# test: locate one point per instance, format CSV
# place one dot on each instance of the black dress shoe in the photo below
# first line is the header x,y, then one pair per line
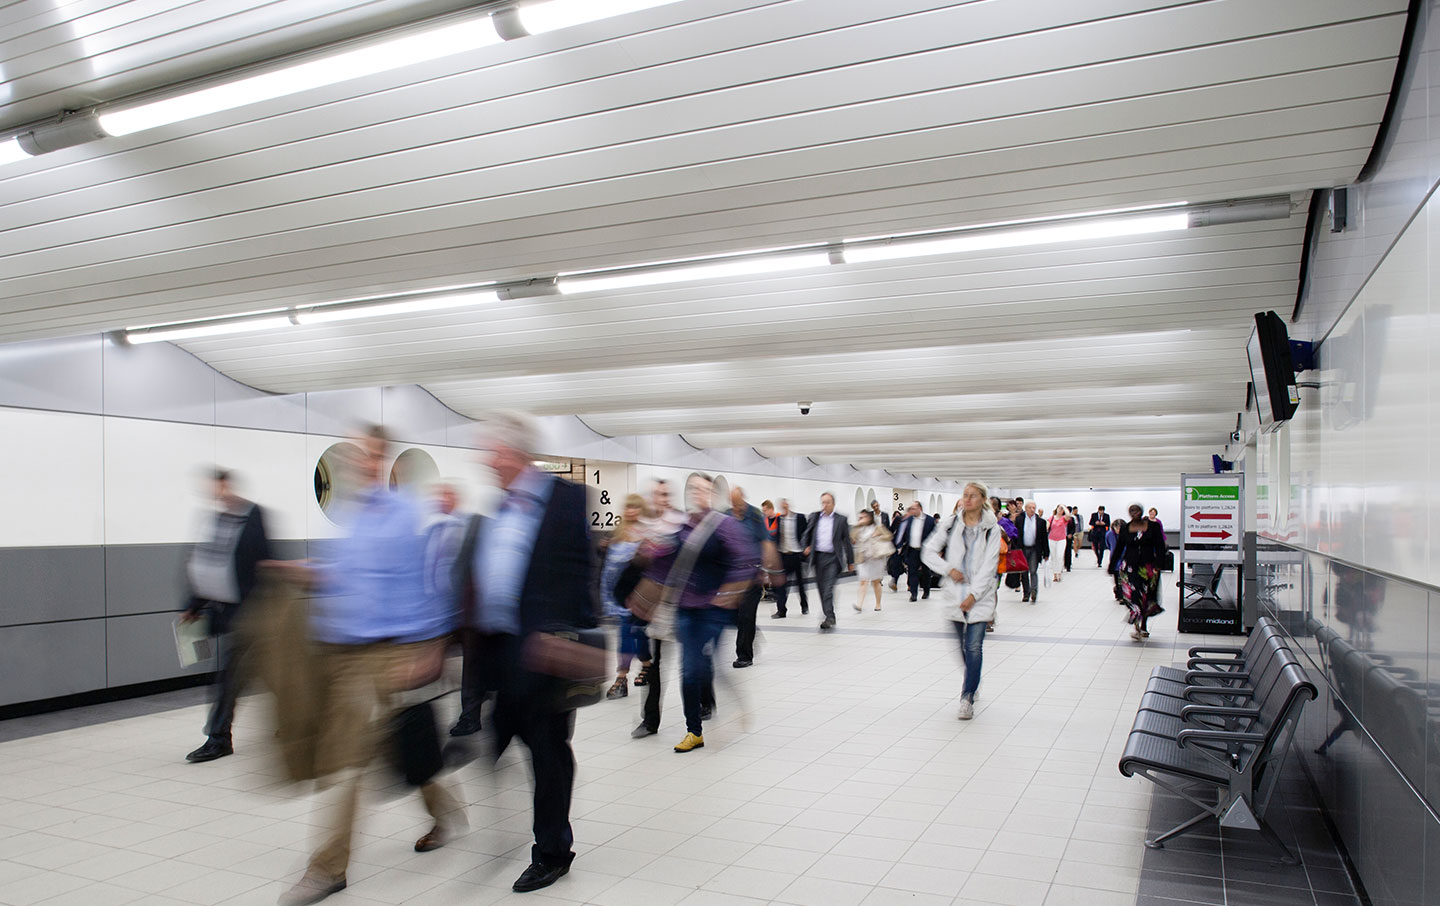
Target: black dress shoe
x,y
212,750
914,598
539,875
827,625
777,615
741,662
707,712
804,609
465,727
643,731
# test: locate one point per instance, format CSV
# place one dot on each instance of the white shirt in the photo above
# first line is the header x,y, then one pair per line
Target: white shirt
x,y
825,533
1031,526
917,527
789,543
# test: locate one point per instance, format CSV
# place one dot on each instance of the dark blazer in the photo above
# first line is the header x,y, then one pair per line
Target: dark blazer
x,y
1042,533
251,547
881,519
902,531
1099,522
841,538
559,590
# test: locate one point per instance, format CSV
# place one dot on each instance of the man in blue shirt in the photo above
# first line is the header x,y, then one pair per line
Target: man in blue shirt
x,y
378,631
520,575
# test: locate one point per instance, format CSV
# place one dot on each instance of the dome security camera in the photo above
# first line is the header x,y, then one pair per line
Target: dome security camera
x,y
805,408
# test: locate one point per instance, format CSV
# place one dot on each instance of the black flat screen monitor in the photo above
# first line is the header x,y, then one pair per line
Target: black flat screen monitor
x,y
1276,396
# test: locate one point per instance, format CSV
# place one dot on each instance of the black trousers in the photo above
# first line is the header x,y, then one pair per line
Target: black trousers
x,y
794,568
1069,549
522,711
229,682
745,624
918,574
654,692
473,690
1030,578
827,573
1098,546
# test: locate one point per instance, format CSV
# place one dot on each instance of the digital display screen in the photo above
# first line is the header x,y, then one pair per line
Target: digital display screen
x,y
1258,378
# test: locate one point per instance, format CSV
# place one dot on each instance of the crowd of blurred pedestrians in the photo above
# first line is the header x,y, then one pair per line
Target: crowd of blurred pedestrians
x,y
353,641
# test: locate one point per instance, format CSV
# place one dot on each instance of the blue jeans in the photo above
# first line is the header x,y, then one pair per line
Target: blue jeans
x,y
972,645
698,629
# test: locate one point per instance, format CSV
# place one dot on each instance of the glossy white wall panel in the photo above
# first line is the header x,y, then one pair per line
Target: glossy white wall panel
x,y
55,465
154,480
271,468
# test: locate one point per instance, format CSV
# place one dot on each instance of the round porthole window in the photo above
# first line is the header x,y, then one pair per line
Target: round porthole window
x,y
720,493
859,500
413,470
335,477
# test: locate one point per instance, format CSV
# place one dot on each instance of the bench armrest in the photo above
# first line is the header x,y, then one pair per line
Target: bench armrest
x,y
1197,652
1196,737
1230,662
1232,693
1226,675
1190,711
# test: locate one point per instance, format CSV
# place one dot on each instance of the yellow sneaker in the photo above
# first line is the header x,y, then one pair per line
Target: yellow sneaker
x,y
690,743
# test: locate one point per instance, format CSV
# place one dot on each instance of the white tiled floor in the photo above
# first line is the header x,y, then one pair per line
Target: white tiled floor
x,y
835,774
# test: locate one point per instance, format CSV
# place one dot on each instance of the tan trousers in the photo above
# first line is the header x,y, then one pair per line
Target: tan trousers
x,y
359,688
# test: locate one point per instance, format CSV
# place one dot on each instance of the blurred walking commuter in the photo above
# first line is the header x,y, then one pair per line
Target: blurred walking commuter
x,y
910,536
1099,525
222,574
536,561
704,570
1140,551
790,538
827,544
616,552
377,632
1035,542
872,547
966,554
1059,542
753,522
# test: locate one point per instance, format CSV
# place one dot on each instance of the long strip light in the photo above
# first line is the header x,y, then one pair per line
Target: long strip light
x,y
344,65
328,314
1073,228
655,275
406,50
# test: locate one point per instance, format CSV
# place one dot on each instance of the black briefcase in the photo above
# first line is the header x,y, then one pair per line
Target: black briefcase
x,y
415,741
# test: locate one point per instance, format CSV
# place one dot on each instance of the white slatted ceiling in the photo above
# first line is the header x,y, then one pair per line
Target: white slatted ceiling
x,y
708,126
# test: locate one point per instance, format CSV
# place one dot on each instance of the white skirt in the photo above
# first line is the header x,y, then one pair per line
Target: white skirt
x,y
870,570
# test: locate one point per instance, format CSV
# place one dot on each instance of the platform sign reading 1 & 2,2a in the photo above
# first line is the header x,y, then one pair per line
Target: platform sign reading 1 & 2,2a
x,y
1212,511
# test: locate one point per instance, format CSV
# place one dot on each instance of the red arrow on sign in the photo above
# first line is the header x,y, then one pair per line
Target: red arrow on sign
x,y
1210,516
1222,535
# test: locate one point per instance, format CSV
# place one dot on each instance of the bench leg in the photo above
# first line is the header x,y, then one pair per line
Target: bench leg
x,y
1159,842
1268,832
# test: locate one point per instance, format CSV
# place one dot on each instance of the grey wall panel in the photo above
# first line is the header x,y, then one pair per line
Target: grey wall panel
x,y
338,412
63,375
144,578
158,381
140,649
289,550
52,659
412,415
239,406
45,584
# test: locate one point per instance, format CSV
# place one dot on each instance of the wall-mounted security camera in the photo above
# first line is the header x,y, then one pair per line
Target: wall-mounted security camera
x,y
805,407
1236,437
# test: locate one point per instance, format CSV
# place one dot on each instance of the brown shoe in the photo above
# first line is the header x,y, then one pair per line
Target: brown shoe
x,y
436,838
311,889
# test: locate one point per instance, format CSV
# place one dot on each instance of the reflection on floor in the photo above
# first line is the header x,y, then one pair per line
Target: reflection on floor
x,y
834,774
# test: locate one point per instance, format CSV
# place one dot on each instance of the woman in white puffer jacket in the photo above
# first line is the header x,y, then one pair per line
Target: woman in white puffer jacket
x,y
965,552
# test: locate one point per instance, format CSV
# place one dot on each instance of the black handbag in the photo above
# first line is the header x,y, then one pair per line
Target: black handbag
x,y
415,743
577,658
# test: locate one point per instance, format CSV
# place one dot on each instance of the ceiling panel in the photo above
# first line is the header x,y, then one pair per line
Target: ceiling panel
x,y
712,126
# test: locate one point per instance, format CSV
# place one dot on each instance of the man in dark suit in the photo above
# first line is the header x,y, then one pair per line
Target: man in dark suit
x,y
790,539
525,571
880,518
827,544
1099,525
222,574
1033,536
910,536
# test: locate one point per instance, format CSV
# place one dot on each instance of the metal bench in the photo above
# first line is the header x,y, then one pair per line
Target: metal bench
x,y
1225,758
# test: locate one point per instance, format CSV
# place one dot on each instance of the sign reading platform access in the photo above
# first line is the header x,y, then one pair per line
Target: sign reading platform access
x,y
1212,511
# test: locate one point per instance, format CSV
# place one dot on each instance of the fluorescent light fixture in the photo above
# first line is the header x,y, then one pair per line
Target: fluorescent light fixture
x,y
195,330
737,266
10,152
984,239
418,47
550,15
326,314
